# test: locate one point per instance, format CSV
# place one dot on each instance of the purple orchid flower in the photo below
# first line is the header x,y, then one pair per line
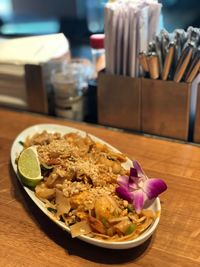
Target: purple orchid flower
x,y
138,189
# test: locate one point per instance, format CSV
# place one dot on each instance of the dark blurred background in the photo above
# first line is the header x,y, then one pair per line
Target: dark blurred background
x,y
77,19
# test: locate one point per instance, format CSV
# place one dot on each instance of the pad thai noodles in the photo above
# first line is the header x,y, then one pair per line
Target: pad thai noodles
x,y
79,187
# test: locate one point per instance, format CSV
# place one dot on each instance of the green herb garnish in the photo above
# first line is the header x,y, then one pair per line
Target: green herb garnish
x,y
51,209
131,228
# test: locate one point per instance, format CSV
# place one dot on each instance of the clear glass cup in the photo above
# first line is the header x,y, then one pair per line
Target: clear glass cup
x,y
69,85
95,15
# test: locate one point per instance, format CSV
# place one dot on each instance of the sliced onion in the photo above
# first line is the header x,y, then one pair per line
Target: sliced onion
x,y
122,226
119,219
62,203
80,228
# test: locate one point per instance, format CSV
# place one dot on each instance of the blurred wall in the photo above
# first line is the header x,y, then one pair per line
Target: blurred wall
x,y
47,8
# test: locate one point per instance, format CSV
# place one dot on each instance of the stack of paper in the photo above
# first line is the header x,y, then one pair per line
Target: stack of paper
x,y
129,26
18,52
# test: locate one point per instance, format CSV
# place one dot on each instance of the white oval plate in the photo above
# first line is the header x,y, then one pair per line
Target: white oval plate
x,y
17,148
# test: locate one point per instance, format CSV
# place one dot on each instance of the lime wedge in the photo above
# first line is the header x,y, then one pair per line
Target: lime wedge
x,y
29,167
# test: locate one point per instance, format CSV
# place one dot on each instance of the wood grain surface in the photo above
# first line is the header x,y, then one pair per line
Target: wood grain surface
x,y
165,112
110,100
29,238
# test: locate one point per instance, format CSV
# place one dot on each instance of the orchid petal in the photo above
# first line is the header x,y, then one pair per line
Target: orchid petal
x,y
133,186
124,193
139,199
153,187
123,181
133,181
133,172
138,189
139,169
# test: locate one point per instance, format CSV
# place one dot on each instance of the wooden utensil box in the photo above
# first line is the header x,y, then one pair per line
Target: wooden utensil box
x,y
155,107
119,101
196,116
165,108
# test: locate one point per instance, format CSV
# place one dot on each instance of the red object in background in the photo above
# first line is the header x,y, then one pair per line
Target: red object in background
x,y
97,41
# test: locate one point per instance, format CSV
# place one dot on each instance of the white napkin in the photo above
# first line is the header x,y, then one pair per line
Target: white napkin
x,y
129,26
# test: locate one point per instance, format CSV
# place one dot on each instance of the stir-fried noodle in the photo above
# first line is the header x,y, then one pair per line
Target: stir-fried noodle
x,y
79,187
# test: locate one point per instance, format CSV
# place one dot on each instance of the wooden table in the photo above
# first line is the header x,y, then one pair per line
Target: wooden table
x,y
29,238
